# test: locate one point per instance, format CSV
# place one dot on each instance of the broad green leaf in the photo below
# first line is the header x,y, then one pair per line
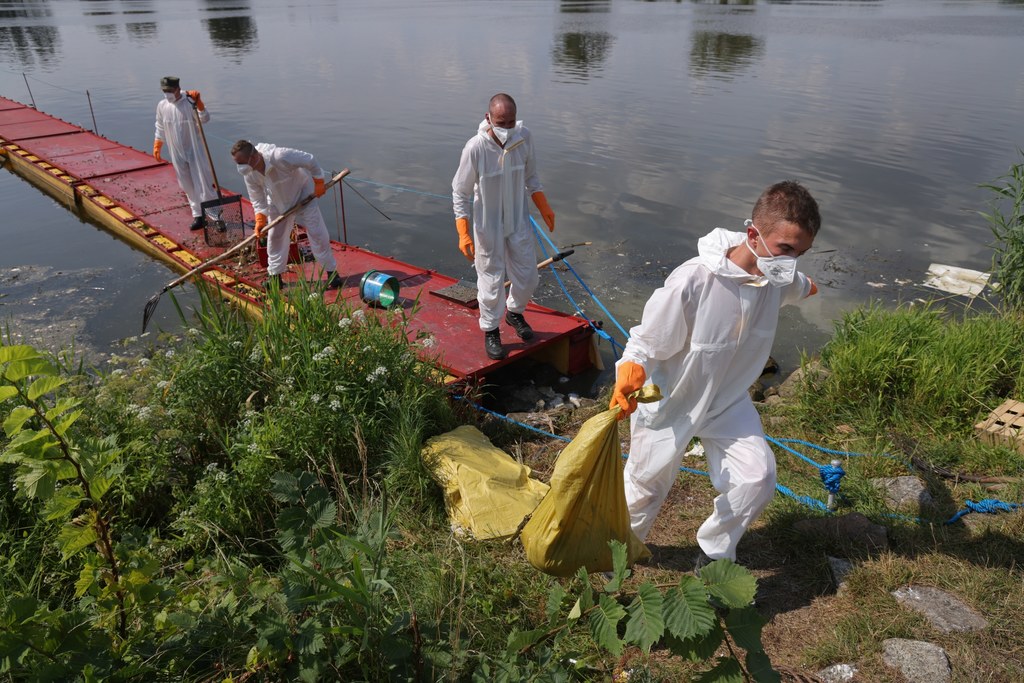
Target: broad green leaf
x,y
20,609
760,667
33,445
44,385
576,612
646,623
726,671
63,503
734,585
78,535
98,487
62,427
285,488
86,580
63,405
554,604
700,648
37,478
586,600
686,609
322,513
7,391
20,369
604,623
517,640
744,625
18,352
619,569
16,420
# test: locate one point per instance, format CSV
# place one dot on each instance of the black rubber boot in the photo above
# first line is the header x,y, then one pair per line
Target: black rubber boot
x,y
519,324
334,280
274,283
492,343
198,223
701,561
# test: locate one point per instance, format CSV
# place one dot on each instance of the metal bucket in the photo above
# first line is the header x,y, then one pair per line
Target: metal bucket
x,y
379,289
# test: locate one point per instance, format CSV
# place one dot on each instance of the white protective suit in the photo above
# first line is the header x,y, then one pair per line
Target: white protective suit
x,y
288,179
176,126
493,184
704,339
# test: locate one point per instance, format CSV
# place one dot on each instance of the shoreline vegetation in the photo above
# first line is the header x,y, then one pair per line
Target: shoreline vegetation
x,y
247,502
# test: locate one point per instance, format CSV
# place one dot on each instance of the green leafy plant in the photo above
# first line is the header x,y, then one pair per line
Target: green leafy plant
x,y
70,479
1006,220
692,618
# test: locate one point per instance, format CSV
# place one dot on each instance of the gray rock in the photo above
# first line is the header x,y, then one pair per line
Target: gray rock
x,y
812,374
945,612
918,661
840,568
902,492
852,528
837,673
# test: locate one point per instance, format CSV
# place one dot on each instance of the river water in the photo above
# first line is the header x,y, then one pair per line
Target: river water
x,y
654,122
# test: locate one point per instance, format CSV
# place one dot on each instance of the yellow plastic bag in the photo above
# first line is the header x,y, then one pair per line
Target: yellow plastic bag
x,y
586,505
486,492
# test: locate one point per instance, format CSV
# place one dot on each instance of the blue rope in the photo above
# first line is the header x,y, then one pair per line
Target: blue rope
x,y
831,475
509,419
989,505
806,500
541,234
846,454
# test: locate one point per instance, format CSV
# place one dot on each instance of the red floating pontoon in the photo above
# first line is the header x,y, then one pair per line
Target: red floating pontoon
x,y
138,199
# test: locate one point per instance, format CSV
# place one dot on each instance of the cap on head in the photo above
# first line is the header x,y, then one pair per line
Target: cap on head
x,y
170,82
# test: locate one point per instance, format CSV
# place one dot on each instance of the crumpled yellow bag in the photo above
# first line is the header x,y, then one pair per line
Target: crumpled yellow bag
x,y
586,505
486,492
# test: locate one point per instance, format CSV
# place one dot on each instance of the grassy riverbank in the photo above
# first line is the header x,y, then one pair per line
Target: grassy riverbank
x,y
269,516
247,502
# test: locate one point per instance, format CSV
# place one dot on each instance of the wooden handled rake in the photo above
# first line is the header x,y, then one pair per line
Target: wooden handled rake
x,y
151,305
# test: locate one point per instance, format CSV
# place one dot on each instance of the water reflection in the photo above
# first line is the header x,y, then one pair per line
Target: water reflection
x,y
581,46
740,3
24,45
584,6
141,32
108,33
721,55
232,36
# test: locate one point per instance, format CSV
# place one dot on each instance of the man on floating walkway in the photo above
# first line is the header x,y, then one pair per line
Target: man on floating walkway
x,y
176,128
278,178
704,338
496,171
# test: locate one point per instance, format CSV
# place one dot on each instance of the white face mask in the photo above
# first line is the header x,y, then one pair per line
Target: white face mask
x,y
169,96
501,133
243,168
778,270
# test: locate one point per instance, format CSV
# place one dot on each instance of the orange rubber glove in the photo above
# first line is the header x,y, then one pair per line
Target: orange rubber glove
x,y
629,379
157,144
465,240
261,222
194,94
545,209
318,187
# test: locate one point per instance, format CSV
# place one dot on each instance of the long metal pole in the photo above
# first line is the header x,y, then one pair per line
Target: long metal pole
x,y
30,95
344,225
94,128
